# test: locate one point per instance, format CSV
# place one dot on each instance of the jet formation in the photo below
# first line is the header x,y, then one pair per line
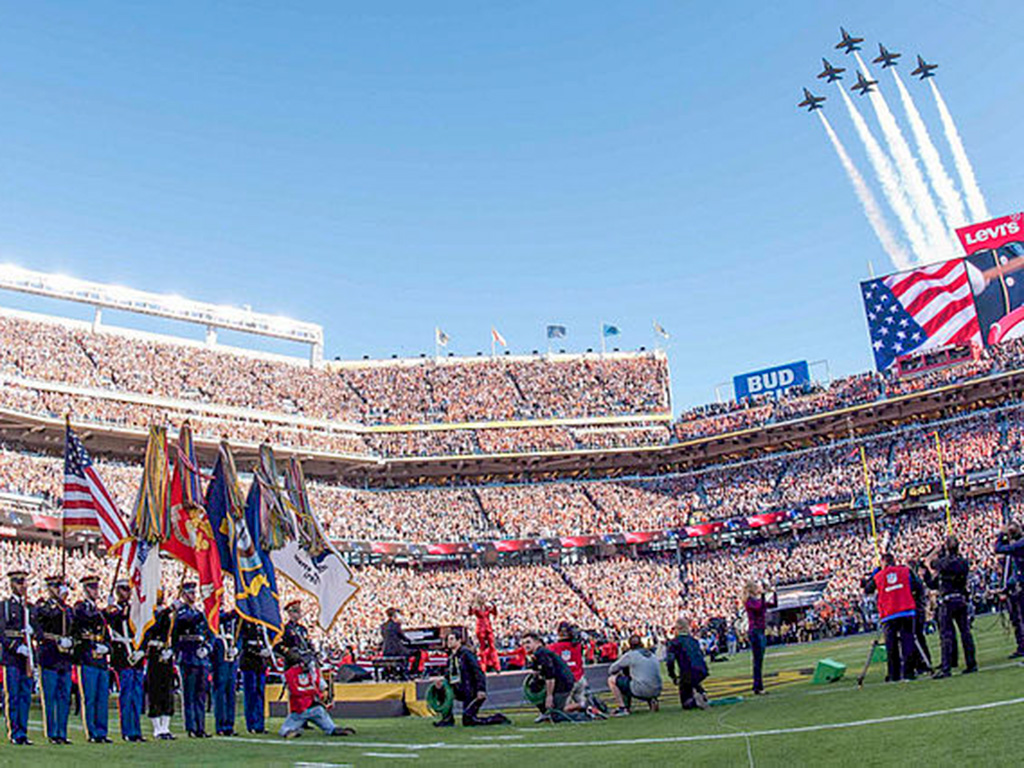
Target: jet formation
x,y
848,44
863,85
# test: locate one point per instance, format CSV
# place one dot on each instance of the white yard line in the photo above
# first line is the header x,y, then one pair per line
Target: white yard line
x,y
656,740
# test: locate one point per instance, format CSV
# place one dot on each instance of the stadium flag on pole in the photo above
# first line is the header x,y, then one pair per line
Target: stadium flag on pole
x,y
144,578
149,522
919,310
276,518
609,330
190,539
151,518
87,504
308,559
658,329
497,338
440,337
255,589
556,331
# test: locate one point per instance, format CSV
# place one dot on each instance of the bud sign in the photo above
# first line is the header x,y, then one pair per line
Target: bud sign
x,y
771,380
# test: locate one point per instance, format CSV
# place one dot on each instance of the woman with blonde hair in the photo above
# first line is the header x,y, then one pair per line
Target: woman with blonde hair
x,y
757,606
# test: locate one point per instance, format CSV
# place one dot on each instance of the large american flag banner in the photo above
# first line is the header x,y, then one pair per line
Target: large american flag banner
x,y
919,310
88,504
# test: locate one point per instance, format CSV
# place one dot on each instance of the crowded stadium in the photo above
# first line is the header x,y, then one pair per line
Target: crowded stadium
x,y
223,527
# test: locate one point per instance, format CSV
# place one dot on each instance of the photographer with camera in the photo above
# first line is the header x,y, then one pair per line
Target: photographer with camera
x,y
469,685
1010,544
950,575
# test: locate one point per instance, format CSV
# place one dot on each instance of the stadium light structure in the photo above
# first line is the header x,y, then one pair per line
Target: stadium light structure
x,y
213,316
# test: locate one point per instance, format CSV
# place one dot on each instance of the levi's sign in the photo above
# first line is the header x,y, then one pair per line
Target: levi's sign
x,y
991,234
774,380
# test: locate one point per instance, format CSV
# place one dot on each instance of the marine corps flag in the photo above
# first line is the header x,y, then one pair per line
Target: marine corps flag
x,y
238,543
308,559
190,539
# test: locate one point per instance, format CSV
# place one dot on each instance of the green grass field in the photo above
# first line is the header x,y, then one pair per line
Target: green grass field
x,y
971,720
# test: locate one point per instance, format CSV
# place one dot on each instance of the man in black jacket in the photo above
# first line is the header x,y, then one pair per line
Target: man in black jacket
x,y
1011,544
951,572
555,673
395,645
469,684
686,666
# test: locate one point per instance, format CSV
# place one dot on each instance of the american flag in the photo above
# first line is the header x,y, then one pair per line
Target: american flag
x,y
919,310
87,502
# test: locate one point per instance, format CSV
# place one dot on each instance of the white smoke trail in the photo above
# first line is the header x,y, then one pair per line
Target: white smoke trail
x,y
950,203
939,237
887,177
897,253
975,200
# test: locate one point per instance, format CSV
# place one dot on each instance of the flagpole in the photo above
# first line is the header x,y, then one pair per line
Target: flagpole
x,y
871,503
601,328
945,490
63,506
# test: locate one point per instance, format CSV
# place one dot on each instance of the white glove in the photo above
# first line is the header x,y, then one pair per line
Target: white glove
x,y
65,643
136,657
166,654
265,653
202,652
101,649
22,650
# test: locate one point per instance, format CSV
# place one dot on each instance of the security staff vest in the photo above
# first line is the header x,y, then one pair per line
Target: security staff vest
x,y
894,595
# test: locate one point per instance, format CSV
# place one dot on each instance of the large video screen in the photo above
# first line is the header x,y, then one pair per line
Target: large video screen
x,y
995,268
919,310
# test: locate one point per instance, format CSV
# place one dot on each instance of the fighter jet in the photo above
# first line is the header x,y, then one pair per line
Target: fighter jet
x,y
848,42
832,73
811,101
863,84
886,59
923,69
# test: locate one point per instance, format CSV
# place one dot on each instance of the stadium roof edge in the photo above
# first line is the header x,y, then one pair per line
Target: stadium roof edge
x,y
168,306
557,357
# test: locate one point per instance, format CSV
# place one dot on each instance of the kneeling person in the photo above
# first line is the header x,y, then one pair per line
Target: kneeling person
x,y
305,699
636,675
553,671
686,666
469,684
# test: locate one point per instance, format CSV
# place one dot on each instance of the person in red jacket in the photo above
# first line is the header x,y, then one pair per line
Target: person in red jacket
x,y
571,650
482,611
306,690
895,586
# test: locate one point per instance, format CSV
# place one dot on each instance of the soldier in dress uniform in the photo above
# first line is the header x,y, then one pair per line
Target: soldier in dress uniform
x,y
193,642
54,622
159,683
19,666
225,673
256,656
296,636
92,652
126,662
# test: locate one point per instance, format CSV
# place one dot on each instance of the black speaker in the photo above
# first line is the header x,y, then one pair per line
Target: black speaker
x,y
351,673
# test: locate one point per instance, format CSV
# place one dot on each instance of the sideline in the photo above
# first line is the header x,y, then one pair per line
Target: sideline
x,y
649,740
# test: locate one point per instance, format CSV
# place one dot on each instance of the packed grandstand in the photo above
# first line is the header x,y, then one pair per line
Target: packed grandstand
x,y
560,485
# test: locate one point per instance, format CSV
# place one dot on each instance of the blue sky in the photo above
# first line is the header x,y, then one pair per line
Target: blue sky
x,y
388,167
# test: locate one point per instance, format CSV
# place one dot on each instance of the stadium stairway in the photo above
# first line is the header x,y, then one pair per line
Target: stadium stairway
x,y
488,525
580,592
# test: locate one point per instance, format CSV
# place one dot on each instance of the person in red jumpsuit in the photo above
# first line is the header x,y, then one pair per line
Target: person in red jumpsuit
x,y
482,611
